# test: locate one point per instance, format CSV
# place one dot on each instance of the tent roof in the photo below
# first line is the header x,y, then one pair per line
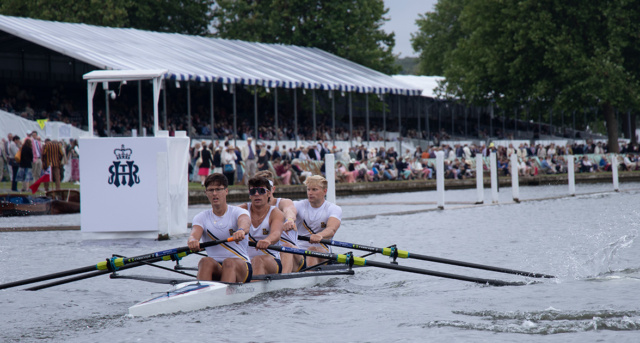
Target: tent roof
x,y
427,84
204,59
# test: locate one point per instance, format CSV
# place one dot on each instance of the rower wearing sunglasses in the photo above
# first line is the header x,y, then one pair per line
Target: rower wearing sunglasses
x,y
316,218
229,261
289,237
266,227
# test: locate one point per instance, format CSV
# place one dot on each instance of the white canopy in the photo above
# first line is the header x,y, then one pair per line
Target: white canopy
x,y
205,59
427,84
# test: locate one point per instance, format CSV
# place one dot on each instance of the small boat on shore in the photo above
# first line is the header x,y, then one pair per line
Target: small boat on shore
x,y
23,205
64,201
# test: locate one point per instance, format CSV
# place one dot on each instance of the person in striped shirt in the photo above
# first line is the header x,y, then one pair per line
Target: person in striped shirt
x,y
52,155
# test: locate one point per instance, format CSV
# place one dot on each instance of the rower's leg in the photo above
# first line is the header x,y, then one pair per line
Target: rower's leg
x,y
264,265
234,270
208,269
290,262
312,261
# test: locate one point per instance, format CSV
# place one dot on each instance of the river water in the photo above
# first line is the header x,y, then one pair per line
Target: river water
x,y
587,241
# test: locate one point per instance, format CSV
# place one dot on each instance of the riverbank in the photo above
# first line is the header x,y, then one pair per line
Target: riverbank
x,y
239,193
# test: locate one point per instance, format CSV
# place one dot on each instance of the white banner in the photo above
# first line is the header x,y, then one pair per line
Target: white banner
x,y
119,184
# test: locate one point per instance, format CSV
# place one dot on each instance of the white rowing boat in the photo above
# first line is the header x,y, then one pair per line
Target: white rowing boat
x,y
196,295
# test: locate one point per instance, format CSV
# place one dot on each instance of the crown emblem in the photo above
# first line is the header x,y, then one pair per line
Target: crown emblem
x,y
122,153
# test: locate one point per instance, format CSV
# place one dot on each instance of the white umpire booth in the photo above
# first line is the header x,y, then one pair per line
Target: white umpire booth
x,y
133,186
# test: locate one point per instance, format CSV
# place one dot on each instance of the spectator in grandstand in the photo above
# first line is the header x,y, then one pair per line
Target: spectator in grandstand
x,y
586,166
283,170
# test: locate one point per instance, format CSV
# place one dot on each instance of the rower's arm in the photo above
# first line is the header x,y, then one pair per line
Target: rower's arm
x,y
275,230
333,224
289,213
194,239
244,224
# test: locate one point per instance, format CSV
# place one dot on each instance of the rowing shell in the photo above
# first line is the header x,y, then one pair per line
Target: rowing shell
x,y
196,295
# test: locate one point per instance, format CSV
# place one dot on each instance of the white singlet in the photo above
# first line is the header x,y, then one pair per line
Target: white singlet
x,y
313,220
216,228
259,233
290,236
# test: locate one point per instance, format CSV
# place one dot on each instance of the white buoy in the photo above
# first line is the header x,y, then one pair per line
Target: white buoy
x,y
571,171
479,179
514,178
494,177
440,178
330,172
614,171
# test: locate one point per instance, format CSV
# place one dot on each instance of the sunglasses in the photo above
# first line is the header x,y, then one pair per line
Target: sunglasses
x,y
258,190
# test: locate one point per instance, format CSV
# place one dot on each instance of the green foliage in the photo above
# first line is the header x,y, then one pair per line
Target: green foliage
x,y
438,35
350,29
179,16
561,54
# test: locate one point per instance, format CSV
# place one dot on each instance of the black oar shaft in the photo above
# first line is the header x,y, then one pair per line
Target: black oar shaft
x,y
364,262
478,266
118,263
406,254
443,275
89,275
48,277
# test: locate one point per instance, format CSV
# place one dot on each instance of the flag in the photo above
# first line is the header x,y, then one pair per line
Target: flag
x,y
44,178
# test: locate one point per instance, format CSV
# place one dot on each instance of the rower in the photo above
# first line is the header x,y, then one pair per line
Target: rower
x,y
266,227
289,237
317,218
227,262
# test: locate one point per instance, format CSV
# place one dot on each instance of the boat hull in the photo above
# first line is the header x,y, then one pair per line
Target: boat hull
x,y
196,295
23,205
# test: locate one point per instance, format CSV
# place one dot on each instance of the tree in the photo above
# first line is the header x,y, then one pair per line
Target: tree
x,y
438,34
178,16
350,29
565,55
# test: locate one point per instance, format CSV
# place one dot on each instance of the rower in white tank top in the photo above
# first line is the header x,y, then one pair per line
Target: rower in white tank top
x,y
259,233
290,236
312,220
216,228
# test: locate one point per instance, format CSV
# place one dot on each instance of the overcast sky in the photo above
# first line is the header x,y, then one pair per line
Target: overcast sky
x,y
403,15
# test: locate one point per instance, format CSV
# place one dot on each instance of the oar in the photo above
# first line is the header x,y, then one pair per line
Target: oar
x,y
115,263
406,254
359,261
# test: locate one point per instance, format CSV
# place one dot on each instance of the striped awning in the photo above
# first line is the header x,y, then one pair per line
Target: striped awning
x,y
204,59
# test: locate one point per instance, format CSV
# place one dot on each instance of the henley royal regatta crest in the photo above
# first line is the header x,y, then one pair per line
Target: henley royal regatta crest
x,y
124,171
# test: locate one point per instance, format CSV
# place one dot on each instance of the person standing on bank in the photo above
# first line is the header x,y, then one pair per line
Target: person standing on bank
x,y
229,164
52,154
14,148
26,163
316,218
250,158
266,227
229,261
206,162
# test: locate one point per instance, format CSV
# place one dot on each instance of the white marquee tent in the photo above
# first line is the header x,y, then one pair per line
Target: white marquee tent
x,y
196,58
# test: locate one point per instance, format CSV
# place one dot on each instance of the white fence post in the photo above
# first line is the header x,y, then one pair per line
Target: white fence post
x,y
514,178
330,172
571,171
494,178
479,179
614,171
440,178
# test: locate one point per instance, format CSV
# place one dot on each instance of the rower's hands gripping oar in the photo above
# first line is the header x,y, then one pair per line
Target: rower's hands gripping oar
x,y
113,264
359,261
405,254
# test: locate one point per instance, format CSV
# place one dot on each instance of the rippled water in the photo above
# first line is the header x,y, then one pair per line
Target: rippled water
x,y
589,241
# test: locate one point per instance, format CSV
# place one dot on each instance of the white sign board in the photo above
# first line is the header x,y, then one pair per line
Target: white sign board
x,y
120,182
